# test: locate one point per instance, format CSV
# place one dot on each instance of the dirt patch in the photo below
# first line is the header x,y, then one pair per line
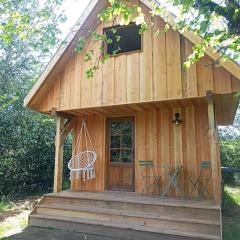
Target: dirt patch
x,y
18,207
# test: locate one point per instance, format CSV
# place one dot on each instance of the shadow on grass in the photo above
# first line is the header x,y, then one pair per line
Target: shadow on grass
x,y
231,215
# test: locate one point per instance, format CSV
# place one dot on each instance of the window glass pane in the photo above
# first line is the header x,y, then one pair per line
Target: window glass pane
x,y
115,127
115,141
125,39
127,155
121,127
127,127
127,141
115,156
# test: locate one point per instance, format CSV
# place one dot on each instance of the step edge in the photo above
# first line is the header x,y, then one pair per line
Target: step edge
x,y
106,224
188,205
134,214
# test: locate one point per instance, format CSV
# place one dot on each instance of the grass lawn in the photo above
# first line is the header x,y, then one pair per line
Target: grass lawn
x,y
231,214
4,206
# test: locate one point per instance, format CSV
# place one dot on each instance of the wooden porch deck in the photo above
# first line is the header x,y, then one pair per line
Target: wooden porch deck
x,y
128,215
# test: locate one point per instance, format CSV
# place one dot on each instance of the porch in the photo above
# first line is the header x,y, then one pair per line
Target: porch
x,y
128,215
154,137
90,207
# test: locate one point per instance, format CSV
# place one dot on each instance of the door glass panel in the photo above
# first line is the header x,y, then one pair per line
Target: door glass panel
x,y
121,141
115,141
127,141
126,156
115,156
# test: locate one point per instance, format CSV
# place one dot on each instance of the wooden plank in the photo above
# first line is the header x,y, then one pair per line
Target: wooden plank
x,y
214,151
165,141
160,160
177,145
120,79
235,84
77,81
191,148
56,89
183,69
192,90
153,140
146,61
205,75
108,82
72,81
159,60
133,77
86,84
141,150
64,91
46,102
174,85
58,169
222,80
97,81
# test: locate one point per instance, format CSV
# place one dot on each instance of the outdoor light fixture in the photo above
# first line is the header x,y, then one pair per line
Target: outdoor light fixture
x,y
177,119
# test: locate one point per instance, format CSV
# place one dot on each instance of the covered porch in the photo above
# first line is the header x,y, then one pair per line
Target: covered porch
x,y
156,138
131,210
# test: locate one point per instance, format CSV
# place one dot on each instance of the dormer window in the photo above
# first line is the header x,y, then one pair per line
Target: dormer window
x,y
124,39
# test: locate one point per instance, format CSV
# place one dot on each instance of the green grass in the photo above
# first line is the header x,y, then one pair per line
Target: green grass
x,y
232,196
231,216
4,206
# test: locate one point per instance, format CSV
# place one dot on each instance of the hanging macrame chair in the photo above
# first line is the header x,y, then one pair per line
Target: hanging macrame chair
x,y
81,164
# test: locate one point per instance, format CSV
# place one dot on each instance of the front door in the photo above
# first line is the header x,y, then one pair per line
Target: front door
x,y
120,152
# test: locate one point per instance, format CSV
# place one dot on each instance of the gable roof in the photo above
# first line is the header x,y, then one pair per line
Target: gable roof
x,y
80,29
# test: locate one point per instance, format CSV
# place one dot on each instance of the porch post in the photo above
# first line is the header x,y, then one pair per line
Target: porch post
x,y
214,149
58,170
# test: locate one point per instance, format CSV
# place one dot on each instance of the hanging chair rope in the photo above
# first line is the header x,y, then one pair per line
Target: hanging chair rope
x,y
82,162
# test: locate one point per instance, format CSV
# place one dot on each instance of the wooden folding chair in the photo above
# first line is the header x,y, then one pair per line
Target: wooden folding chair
x,y
151,181
202,181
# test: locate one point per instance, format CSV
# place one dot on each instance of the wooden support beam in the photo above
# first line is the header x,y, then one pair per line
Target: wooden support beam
x,y
58,154
67,128
214,149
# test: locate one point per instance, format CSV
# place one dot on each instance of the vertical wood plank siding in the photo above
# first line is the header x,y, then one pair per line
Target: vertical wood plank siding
x,y
157,139
153,74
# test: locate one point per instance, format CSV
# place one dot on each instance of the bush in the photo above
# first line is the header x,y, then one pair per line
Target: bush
x,y
230,157
27,151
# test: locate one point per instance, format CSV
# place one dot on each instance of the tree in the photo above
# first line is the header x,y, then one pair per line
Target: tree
x,y
28,32
218,23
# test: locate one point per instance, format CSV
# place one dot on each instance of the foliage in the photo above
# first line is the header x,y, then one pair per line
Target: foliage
x,y
4,206
218,24
232,196
230,149
28,30
231,216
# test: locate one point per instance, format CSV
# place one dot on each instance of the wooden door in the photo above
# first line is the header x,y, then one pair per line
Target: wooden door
x,y
120,149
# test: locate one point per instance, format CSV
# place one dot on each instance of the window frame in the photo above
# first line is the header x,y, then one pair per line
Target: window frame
x,y
119,54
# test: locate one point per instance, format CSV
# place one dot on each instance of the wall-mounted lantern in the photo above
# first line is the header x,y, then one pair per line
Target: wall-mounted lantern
x,y
177,120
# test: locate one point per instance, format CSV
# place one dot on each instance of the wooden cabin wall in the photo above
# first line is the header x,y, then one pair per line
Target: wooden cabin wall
x,y
157,139
96,128
153,74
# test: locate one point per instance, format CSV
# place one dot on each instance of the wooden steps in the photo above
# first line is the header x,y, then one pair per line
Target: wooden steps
x,y
137,214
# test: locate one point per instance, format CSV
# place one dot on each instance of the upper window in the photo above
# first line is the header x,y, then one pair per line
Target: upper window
x,y
123,39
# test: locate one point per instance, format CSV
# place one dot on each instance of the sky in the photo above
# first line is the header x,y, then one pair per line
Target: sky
x,y
73,10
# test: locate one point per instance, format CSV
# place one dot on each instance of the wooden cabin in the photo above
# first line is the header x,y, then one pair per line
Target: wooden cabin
x,y
168,115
